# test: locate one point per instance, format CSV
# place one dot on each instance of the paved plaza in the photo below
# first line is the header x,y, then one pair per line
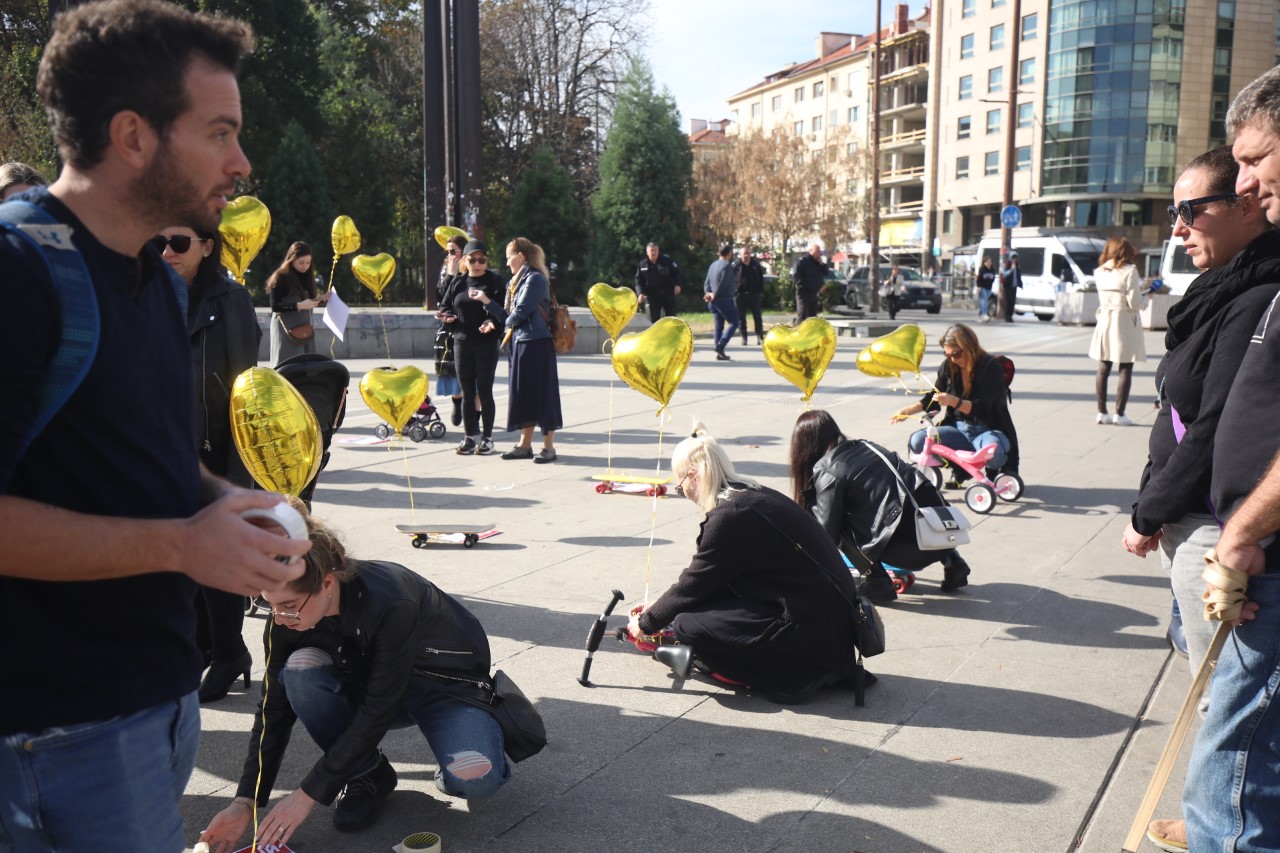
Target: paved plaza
x,y
1023,713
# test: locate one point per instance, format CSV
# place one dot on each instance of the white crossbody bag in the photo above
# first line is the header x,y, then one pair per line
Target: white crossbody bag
x,y
937,527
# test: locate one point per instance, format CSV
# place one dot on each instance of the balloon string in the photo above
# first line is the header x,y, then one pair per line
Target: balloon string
x,y
413,512
266,688
609,432
334,271
653,514
383,317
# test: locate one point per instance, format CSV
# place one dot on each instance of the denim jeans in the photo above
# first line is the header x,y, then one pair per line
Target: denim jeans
x,y
726,313
1232,795
1182,550
109,785
967,436
984,301
326,702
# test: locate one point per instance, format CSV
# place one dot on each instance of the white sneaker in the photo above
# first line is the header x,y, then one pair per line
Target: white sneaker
x,y
1122,420
1103,418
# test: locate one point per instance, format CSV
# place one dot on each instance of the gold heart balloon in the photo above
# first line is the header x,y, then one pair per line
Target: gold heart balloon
x,y
346,238
901,350
867,364
444,232
246,223
800,354
275,431
374,271
612,306
394,395
654,361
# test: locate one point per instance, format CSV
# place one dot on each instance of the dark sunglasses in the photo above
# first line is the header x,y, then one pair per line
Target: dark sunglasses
x,y
1187,209
180,243
477,259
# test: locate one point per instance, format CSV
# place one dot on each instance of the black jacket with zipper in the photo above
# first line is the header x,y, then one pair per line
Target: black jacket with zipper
x,y
224,333
394,626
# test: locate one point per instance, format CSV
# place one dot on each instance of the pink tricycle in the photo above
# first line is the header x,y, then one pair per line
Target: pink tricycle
x,y
979,497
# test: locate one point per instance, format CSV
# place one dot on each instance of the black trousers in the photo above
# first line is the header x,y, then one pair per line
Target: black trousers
x,y
748,642
660,304
806,305
750,302
1008,296
903,552
219,620
476,362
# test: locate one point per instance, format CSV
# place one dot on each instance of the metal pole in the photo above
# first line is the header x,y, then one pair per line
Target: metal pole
x,y
873,281
434,194
1011,125
469,179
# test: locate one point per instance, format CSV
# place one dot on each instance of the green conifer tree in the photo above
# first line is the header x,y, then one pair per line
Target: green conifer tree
x,y
294,190
543,208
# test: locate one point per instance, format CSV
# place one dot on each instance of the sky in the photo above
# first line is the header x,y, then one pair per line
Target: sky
x,y
704,51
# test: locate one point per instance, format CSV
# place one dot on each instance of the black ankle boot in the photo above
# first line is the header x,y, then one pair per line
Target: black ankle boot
x,y
955,572
221,675
456,417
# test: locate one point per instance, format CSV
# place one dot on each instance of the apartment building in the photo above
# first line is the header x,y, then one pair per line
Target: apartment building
x,y
1112,99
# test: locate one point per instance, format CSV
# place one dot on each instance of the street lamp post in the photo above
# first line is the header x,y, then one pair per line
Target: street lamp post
x,y
1011,126
873,279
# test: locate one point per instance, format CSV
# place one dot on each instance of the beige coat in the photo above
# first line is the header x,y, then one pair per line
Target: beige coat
x,y
1118,335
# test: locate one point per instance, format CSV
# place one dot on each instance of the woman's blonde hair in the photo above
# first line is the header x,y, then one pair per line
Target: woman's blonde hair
x,y
965,339
703,455
533,254
327,556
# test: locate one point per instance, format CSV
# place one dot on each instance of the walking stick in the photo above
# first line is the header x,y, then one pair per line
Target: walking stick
x,y
594,637
1222,606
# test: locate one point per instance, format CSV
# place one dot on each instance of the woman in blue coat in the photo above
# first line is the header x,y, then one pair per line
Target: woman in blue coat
x,y
534,393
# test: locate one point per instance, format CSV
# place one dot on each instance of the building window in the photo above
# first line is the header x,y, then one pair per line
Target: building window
x,y
993,121
817,89
966,87
799,128
1030,23
776,103
1027,71
995,80
962,127
815,156
966,46
854,113
991,163
835,85
833,118
968,8
851,149
996,4
948,221
1025,115
997,37
755,109
799,94
817,123
1024,159
962,168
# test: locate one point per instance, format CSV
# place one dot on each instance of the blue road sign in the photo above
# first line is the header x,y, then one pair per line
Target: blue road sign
x,y
1010,216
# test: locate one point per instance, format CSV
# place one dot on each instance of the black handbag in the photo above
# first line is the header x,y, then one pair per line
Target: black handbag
x,y
444,352
868,628
523,732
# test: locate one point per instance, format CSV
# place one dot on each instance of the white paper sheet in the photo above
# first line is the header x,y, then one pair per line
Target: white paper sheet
x,y
336,313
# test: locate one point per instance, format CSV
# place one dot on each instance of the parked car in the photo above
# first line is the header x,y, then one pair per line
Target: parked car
x,y
921,293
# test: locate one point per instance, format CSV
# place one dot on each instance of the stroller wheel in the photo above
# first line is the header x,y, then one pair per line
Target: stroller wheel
x,y
417,432
436,429
382,431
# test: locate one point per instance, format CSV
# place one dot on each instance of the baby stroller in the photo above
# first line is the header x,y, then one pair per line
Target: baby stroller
x,y
424,424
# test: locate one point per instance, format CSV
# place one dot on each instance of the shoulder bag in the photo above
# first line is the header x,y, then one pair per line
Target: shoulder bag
x,y
937,527
523,733
301,329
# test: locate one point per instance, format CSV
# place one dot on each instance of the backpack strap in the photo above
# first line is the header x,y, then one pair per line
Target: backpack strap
x,y
38,234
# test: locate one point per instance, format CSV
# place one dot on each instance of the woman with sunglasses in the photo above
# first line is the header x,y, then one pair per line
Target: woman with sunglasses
x,y
857,490
358,648
1229,239
1117,337
293,293
447,384
474,297
767,601
971,385
224,343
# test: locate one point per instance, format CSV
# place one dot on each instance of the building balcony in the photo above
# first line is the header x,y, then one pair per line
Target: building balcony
x,y
902,210
905,139
905,73
900,176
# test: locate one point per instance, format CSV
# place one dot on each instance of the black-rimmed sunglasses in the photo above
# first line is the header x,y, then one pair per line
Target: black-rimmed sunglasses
x,y
1187,209
180,243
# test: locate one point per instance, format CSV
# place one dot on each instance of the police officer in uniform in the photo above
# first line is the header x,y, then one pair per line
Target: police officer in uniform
x,y
658,280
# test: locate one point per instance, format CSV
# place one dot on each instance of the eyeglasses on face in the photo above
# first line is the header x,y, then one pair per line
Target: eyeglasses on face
x,y
295,616
1187,209
953,354
478,259
180,243
679,489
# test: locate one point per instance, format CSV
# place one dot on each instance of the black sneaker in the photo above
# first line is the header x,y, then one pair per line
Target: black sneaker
x,y
485,447
358,804
466,447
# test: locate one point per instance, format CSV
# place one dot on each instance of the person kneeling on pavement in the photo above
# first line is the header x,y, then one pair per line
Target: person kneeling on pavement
x,y
355,648
857,491
766,601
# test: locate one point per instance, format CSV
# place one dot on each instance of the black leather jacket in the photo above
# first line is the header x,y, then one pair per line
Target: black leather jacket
x,y
859,501
394,626
750,276
224,343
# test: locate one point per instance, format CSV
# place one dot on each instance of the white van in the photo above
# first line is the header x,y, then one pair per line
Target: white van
x,y
1050,262
1176,269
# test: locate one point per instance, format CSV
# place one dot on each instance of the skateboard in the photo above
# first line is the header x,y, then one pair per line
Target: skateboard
x,y
903,579
612,482
466,535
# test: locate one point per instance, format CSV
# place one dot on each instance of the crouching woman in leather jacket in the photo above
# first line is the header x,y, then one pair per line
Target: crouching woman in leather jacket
x,y
356,648
862,503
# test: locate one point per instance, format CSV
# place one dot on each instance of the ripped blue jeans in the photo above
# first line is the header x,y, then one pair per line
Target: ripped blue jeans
x,y
466,740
